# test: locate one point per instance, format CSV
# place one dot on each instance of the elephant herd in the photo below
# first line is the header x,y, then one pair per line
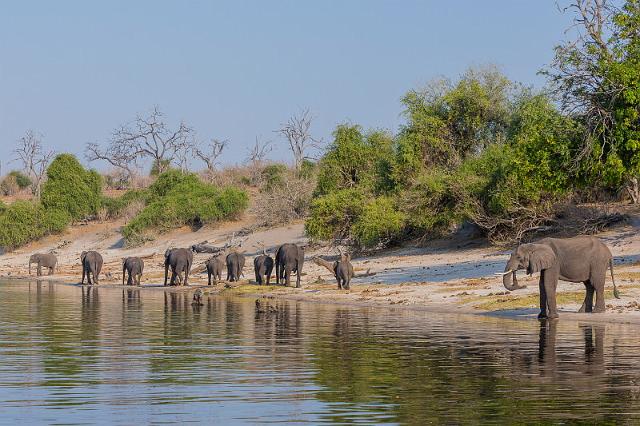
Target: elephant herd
x,y
583,259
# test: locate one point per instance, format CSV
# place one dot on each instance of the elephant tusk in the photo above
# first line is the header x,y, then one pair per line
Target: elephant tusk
x,y
501,274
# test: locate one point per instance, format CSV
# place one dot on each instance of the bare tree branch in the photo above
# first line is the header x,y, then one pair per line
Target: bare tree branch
x,y
297,132
147,137
210,153
34,158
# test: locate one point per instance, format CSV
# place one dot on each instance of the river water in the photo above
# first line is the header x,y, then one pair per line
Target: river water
x,y
77,355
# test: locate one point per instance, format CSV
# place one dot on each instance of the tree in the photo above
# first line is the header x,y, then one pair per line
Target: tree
x,y
147,137
34,159
297,132
210,153
598,79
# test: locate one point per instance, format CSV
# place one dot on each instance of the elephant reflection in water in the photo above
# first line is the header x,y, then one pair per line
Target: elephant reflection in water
x,y
131,299
593,349
280,319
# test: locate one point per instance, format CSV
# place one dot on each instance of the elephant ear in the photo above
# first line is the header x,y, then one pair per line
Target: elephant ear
x,y
540,257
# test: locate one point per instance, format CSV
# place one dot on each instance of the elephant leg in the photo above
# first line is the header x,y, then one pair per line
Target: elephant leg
x,y
347,283
543,299
339,283
208,278
298,276
287,276
587,305
83,273
39,273
598,286
550,278
51,271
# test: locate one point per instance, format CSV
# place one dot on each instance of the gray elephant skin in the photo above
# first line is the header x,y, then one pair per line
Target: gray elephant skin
x,y
215,266
263,266
580,259
46,260
235,265
91,266
289,258
133,268
180,261
343,270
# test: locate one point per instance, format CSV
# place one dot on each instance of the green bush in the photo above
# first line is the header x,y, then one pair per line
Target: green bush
x,y
24,221
22,180
72,188
178,199
333,215
273,176
379,223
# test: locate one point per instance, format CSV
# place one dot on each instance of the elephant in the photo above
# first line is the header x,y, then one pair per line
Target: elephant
x,y
343,270
215,265
180,260
579,259
263,266
91,266
235,264
133,266
289,258
48,260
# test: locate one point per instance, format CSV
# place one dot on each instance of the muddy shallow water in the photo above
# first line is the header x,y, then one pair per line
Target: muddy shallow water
x,y
106,355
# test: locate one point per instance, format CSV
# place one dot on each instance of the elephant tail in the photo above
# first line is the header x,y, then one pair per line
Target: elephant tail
x,y
616,294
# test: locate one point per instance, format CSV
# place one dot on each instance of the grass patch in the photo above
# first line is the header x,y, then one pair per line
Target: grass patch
x,y
494,303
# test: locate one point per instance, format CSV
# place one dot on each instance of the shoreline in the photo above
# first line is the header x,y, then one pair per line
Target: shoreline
x,y
314,296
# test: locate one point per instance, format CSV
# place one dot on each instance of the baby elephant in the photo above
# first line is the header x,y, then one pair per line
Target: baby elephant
x,y
91,266
48,260
215,265
263,266
343,270
133,266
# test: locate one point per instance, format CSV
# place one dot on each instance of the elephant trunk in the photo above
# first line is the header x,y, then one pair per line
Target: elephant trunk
x,y
509,279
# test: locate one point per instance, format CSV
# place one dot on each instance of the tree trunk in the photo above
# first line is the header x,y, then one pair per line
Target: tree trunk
x,y
634,190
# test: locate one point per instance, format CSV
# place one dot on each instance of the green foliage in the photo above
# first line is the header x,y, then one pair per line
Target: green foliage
x,y
333,215
116,206
24,221
483,150
160,167
71,188
379,223
178,199
23,181
355,159
273,176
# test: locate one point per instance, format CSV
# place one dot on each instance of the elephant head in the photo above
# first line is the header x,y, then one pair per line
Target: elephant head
x,y
532,257
34,258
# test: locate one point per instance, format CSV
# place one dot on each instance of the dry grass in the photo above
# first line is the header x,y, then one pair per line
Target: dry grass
x,y
494,303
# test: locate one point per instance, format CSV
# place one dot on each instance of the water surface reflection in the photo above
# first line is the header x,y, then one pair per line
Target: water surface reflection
x,y
126,356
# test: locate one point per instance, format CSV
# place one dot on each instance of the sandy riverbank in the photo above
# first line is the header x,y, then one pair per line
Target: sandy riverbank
x,y
451,275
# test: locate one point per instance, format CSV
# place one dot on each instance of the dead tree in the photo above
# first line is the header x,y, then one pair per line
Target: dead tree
x,y
255,158
34,158
210,153
297,132
148,137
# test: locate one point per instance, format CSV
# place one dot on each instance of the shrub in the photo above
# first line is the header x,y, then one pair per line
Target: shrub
x,y
24,221
72,188
177,199
379,224
332,215
273,176
22,180
9,185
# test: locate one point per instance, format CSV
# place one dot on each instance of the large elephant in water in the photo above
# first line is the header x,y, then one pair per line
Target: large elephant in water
x,y
578,259
180,261
47,260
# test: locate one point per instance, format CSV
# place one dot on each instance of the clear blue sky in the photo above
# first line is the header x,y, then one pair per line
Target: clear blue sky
x,y
74,70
